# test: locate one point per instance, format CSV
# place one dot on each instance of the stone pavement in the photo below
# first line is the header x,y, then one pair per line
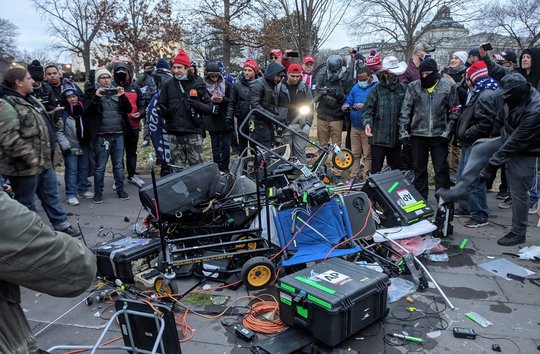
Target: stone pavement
x,y
511,306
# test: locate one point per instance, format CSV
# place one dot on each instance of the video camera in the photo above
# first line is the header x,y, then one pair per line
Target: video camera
x,y
304,190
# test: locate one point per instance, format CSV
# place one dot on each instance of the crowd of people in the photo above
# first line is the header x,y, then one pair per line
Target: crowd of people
x,y
398,113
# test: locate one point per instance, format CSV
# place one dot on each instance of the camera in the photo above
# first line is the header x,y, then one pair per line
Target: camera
x,y
111,91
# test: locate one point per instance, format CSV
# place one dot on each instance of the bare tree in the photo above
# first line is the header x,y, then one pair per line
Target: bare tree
x,y
403,22
519,19
143,29
227,25
44,55
308,23
76,23
8,32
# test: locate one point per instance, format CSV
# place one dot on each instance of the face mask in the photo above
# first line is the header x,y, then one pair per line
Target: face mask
x,y
183,77
429,80
363,84
391,78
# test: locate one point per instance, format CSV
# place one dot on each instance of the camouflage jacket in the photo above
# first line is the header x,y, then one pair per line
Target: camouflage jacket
x,y
25,144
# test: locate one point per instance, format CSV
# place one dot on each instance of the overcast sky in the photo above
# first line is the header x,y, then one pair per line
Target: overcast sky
x,y
33,30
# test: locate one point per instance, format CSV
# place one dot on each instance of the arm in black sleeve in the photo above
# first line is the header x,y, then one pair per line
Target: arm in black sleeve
x,y
519,140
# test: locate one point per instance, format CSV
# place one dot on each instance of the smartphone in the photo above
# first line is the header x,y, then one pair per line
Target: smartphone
x,y
110,91
293,54
487,47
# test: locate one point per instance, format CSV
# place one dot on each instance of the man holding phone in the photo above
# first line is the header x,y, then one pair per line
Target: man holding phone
x,y
107,117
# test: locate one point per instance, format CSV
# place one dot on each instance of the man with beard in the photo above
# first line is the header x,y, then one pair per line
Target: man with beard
x,y
293,94
239,106
183,102
381,113
428,115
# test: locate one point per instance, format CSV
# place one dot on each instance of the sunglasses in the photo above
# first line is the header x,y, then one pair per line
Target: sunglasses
x,y
274,57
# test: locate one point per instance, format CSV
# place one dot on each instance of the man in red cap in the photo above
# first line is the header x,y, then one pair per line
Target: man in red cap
x,y
183,102
295,110
307,75
239,106
277,56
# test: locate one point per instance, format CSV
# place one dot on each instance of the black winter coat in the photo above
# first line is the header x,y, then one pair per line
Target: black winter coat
x,y
93,115
183,104
330,93
520,133
478,118
215,122
263,92
239,105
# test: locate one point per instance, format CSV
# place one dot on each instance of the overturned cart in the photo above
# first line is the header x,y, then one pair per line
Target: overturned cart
x,y
203,219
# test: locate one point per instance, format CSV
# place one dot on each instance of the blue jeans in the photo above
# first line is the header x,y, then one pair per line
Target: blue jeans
x,y
45,186
477,206
221,149
76,174
105,146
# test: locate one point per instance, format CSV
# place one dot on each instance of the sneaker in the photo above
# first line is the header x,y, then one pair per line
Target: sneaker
x,y
511,239
98,198
506,204
460,213
122,194
136,181
533,209
73,201
113,186
71,231
87,195
502,195
473,223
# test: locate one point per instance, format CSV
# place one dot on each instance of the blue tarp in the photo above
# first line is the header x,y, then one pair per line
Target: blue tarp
x,y
309,245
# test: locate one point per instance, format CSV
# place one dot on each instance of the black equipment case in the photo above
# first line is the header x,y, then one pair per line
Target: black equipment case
x,y
333,299
119,257
183,191
398,200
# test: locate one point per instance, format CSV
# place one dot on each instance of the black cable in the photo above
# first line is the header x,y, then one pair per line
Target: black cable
x,y
501,338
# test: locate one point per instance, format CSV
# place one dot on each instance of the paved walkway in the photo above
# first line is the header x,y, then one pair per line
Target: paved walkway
x,y
511,306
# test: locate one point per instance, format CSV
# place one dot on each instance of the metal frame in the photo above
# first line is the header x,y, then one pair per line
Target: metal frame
x,y
160,325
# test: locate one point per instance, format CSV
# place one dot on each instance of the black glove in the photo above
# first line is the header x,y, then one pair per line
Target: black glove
x,y
230,124
487,172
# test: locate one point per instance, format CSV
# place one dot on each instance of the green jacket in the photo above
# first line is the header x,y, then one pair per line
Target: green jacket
x,y
25,141
381,112
36,257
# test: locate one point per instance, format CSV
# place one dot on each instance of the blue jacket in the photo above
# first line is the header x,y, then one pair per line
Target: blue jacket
x,y
358,95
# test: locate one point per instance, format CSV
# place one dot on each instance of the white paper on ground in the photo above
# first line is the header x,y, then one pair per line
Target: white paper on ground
x,y
397,233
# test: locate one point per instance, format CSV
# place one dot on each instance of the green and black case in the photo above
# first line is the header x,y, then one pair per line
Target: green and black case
x,y
333,299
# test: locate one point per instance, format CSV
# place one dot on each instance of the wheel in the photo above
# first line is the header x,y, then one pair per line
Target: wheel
x,y
162,288
244,246
257,273
343,165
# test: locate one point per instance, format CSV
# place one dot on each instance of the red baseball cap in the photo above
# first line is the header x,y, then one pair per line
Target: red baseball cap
x,y
276,52
294,69
308,59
